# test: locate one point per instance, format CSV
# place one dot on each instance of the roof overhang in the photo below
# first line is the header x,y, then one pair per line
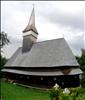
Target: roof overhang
x,y
75,71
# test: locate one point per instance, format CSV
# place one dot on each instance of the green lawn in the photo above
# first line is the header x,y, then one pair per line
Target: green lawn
x,y
82,94
14,92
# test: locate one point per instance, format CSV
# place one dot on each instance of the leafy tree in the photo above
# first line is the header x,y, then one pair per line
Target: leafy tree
x,y
2,61
3,41
81,61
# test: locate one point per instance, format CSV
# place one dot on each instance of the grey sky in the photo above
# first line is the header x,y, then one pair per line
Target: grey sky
x,y
54,19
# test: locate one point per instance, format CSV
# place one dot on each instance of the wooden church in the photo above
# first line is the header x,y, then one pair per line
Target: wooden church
x,y
42,64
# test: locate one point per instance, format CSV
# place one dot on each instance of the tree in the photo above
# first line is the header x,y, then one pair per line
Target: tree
x,y
3,41
81,61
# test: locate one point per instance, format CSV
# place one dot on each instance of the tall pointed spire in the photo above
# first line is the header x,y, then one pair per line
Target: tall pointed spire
x,y
30,33
31,24
32,18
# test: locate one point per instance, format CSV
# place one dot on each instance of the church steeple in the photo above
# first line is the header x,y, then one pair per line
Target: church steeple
x,y
31,24
29,33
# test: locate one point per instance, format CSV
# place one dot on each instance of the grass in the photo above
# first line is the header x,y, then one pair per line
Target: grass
x,y
14,92
82,94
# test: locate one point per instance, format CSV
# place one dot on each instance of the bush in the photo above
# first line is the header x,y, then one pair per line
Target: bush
x,y
65,97
74,93
64,94
55,92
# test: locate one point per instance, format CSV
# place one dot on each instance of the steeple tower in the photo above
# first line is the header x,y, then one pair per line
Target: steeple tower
x,y
29,33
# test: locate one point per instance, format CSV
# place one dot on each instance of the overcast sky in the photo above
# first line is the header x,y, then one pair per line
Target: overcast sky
x,y
54,19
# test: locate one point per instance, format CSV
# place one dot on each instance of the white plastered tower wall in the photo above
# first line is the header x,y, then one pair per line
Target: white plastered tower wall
x,y
32,35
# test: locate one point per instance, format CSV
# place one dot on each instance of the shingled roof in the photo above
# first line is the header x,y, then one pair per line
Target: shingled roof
x,y
48,53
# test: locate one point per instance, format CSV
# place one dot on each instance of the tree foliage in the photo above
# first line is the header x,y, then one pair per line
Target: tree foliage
x,y
2,61
3,41
81,61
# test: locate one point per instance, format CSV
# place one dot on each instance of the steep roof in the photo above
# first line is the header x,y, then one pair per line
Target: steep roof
x,y
48,53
